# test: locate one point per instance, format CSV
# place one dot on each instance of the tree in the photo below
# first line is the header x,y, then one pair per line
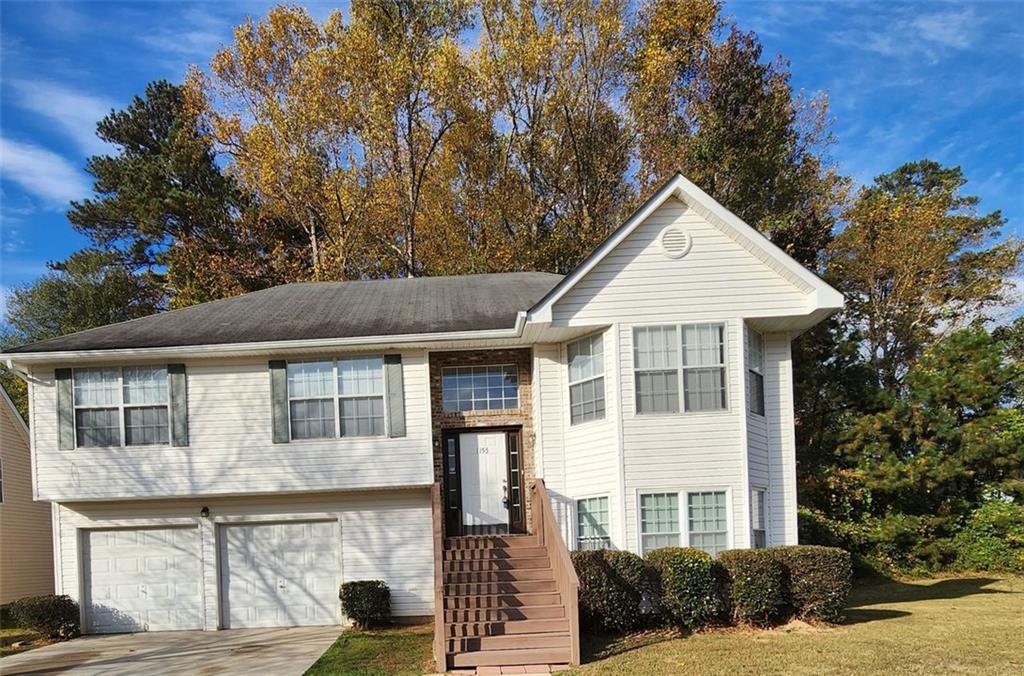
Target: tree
x,y
161,189
917,260
711,109
89,289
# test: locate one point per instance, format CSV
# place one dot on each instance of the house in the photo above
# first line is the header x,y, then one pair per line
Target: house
x,y
26,536
229,464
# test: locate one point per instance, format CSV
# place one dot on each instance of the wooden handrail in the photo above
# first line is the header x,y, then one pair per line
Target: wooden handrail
x,y
545,527
440,654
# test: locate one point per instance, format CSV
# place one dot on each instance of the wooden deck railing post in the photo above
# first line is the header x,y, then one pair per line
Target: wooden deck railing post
x,y
440,654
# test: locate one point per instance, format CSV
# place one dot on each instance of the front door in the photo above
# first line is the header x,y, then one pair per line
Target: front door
x,y
484,463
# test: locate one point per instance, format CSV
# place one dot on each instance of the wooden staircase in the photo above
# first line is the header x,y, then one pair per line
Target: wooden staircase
x,y
507,600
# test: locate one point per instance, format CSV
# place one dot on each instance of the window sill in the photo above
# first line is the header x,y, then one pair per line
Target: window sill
x,y
141,447
683,414
577,425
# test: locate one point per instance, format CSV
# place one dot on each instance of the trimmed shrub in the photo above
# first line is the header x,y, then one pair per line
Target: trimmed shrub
x,y
993,539
817,580
618,590
755,585
366,602
688,591
55,617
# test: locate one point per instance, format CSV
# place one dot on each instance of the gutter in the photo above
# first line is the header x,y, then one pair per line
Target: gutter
x,y
264,347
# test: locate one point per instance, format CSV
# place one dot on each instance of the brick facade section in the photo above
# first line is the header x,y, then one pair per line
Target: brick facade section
x,y
442,420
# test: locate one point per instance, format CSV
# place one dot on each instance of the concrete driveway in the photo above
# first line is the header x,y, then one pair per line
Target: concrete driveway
x,y
273,652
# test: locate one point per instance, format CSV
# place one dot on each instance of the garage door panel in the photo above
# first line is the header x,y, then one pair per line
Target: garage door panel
x,y
142,580
282,574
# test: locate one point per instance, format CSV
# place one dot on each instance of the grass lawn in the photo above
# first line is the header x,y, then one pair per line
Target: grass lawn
x,y
25,638
404,650
969,625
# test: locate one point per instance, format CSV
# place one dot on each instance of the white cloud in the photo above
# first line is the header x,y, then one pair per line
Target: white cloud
x,y
41,172
74,112
900,35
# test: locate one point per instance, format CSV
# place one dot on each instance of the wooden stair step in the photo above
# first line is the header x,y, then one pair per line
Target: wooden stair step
x,y
491,542
509,628
514,575
502,601
508,658
484,565
508,642
498,614
489,588
495,553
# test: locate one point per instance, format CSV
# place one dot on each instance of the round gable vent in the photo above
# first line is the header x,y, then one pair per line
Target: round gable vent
x,y
674,242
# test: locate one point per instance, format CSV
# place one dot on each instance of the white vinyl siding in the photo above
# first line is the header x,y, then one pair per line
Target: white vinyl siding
x,y
129,404
230,444
657,354
586,379
480,388
328,395
592,523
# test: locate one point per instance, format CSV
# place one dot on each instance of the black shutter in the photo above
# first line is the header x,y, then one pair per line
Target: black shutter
x,y
394,396
179,404
279,401
65,409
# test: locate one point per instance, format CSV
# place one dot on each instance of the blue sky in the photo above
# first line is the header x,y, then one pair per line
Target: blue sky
x,y
906,80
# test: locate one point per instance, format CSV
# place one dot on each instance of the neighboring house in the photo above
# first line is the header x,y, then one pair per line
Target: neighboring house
x,y
26,532
229,464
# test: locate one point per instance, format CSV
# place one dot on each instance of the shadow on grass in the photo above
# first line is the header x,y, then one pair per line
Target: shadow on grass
x,y
595,647
903,592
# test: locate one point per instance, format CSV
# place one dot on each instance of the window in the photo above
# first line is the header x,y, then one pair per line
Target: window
x,y
592,524
755,371
659,521
757,518
706,522
326,395
129,403
655,357
708,528
586,379
670,359
480,388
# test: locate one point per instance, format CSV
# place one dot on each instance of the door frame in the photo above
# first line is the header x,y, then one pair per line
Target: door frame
x,y
451,473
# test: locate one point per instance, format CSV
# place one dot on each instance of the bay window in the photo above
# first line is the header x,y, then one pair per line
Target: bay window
x,y
592,524
690,359
706,522
755,371
586,379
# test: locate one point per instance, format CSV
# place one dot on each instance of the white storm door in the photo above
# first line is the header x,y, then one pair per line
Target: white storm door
x,y
484,465
143,579
280,574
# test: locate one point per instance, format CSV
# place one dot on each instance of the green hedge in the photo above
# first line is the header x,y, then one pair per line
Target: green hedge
x,y
817,580
618,590
755,585
55,617
993,539
366,602
690,593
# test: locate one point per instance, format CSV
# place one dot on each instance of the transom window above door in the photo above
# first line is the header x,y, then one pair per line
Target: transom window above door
x,y
327,395
480,388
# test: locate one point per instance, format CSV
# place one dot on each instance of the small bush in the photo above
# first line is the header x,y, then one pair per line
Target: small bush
x,y
366,602
689,593
993,539
755,585
618,590
55,617
817,580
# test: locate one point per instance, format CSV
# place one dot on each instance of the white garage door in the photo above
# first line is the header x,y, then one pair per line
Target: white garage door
x,y
280,574
142,580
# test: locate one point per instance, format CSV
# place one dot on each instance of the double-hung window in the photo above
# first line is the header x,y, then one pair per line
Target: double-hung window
x,y
129,403
327,395
755,371
705,520
758,518
592,524
586,379
690,359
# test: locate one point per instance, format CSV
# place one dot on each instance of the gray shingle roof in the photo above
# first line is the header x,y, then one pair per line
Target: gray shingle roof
x,y
326,310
